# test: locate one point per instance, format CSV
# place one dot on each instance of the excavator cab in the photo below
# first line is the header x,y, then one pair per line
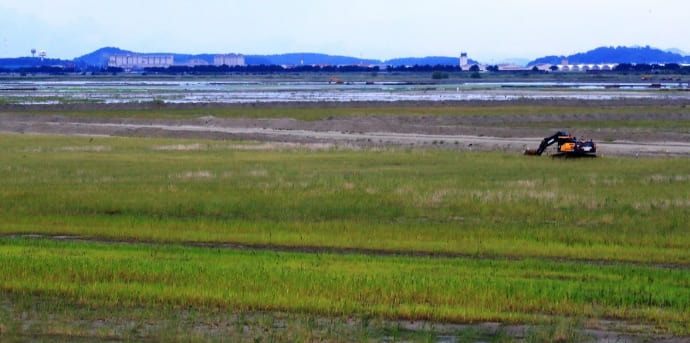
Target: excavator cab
x,y
568,146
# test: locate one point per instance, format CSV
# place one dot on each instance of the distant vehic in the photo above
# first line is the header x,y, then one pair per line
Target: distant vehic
x,y
568,146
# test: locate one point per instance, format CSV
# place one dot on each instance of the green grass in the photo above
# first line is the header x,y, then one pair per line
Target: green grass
x,y
320,113
610,209
439,289
476,236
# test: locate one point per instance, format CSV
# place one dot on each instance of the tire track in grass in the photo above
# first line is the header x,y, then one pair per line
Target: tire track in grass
x,y
346,251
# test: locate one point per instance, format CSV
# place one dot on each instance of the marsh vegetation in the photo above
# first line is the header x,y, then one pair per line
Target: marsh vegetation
x,y
171,226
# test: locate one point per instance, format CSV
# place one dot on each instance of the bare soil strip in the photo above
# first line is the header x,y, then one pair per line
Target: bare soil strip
x,y
395,131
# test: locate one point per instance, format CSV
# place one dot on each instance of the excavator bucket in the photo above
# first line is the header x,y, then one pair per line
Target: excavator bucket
x,y
531,152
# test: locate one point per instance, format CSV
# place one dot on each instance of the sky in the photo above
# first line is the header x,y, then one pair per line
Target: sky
x,y
488,30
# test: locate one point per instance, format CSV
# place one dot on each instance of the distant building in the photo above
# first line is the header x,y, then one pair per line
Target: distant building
x,y
228,60
587,67
463,60
140,61
511,67
544,67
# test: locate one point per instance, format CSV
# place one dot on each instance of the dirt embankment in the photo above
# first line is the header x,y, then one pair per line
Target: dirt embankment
x,y
503,133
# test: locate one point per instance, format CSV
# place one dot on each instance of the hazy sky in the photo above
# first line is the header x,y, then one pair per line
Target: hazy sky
x,y
489,30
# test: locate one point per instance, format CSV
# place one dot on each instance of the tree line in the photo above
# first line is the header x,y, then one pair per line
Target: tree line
x,y
52,70
272,68
668,68
650,68
260,69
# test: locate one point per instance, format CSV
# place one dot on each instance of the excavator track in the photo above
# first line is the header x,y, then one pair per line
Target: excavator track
x,y
571,155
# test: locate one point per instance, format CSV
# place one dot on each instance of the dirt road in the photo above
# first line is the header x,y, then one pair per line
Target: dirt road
x,y
353,131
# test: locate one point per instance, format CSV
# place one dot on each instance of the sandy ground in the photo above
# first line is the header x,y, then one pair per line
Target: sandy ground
x,y
439,132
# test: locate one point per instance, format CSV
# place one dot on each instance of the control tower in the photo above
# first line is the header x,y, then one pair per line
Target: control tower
x,y
463,59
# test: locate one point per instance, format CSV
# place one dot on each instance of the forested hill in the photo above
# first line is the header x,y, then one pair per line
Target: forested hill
x,y
431,60
312,58
306,58
100,58
619,54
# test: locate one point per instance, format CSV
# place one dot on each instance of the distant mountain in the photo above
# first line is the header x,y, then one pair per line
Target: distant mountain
x,y
306,58
313,58
619,54
515,60
677,51
551,59
430,60
100,57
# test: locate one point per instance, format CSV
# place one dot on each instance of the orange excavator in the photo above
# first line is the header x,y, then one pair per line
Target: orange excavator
x,y
335,80
568,146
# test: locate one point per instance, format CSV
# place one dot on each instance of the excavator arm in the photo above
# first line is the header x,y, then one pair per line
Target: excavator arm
x,y
568,146
545,143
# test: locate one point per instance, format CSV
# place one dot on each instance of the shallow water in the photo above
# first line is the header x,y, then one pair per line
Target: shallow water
x,y
53,92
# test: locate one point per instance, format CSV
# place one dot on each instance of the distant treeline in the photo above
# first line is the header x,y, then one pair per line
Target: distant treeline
x,y
53,70
262,69
425,68
668,68
298,69
642,67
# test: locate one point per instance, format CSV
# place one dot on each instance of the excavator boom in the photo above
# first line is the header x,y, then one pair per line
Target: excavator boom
x,y
568,146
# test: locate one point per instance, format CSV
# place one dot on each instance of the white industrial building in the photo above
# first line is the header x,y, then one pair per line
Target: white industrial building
x,y
228,60
140,61
463,60
587,67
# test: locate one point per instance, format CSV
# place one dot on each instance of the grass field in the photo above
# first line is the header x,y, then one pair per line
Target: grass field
x,y
609,121
382,233
629,115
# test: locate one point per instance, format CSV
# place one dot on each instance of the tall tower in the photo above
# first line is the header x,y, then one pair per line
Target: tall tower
x,y
463,59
